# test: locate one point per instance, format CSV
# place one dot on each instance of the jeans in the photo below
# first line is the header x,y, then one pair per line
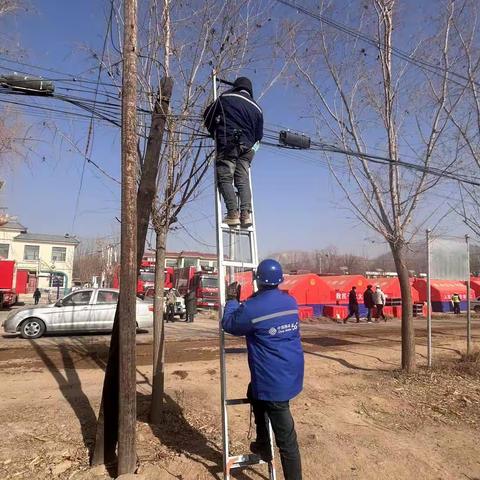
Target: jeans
x,y
233,167
369,314
284,431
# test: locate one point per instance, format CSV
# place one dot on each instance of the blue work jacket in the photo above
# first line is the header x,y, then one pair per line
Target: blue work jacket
x,y
234,111
269,321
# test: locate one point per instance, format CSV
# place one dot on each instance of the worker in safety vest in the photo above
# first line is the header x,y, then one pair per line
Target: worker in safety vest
x,y
456,303
269,320
236,122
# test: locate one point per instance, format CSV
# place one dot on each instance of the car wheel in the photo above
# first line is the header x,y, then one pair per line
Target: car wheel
x,y
182,316
32,328
477,309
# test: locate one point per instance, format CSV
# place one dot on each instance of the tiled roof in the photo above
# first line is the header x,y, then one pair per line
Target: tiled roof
x,y
13,225
42,237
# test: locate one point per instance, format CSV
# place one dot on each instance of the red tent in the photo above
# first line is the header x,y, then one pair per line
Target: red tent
x,y
391,287
340,285
441,292
475,285
307,288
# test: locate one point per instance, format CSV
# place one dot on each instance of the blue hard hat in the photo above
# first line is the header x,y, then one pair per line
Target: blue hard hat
x,y
269,272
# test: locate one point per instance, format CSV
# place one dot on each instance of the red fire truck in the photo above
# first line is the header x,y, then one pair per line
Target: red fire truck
x,y
203,282
8,278
146,278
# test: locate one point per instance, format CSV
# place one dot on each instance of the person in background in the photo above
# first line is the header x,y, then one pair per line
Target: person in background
x,y
269,321
171,299
352,305
379,300
235,121
368,302
190,306
36,295
456,303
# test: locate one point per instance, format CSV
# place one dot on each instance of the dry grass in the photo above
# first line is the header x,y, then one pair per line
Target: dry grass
x,y
448,393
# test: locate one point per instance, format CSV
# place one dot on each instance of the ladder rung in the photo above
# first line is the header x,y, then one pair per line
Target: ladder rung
x,y
228,228
235,350
239,461
232,263
237,401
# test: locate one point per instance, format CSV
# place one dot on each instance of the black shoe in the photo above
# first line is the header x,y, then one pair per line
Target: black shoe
x,y
263,450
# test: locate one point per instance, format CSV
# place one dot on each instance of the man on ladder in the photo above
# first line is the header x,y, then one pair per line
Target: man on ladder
x,y
236,122
269,320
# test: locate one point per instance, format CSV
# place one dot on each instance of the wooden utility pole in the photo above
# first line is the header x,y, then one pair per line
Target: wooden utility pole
x,y
128,256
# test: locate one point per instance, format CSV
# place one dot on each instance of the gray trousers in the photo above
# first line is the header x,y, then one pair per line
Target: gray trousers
x,y
233,168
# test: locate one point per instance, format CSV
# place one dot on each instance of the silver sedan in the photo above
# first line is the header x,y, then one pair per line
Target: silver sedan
x,y
87,310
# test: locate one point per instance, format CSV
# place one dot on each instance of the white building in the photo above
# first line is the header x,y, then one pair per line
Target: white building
x,y
43,261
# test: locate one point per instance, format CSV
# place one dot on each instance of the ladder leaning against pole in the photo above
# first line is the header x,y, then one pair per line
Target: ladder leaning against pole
x,y
234,262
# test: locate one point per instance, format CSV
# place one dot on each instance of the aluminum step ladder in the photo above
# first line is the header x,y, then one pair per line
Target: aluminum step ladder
x,y
242,257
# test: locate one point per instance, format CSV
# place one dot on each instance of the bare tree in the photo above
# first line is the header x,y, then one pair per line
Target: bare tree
x,y
466,117
365,99
221,37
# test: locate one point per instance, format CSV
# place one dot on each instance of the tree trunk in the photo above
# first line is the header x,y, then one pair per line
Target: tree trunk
x,y
158,378
127,403
104,450
408,331
148,181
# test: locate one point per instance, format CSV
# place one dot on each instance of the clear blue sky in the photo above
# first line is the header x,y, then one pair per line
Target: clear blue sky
x,y
298,203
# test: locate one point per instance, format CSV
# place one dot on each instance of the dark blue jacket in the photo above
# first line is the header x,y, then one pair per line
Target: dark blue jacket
x,y
269,320
234,111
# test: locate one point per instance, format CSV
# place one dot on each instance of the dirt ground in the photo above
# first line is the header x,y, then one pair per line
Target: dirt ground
x,y
357,418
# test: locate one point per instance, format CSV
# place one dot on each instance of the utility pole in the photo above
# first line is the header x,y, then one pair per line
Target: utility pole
x,y
128,254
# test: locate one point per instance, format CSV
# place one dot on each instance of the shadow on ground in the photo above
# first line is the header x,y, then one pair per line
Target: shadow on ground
x,y
176,433
71,387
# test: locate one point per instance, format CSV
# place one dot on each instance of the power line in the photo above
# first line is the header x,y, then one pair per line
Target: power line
x,y
430,67
90,126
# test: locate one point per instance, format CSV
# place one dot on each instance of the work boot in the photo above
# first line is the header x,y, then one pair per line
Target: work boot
x,y
262,449
232,218
245,219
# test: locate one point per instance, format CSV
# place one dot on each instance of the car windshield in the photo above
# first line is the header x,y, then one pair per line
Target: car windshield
x,y
147,276
209,282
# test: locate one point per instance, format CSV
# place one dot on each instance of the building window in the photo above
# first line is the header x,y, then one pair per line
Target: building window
x,y
189,262
4,250
171,262
59,254
31,252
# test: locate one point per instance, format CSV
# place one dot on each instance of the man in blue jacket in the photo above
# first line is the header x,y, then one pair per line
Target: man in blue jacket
x,y
236,122
269,321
